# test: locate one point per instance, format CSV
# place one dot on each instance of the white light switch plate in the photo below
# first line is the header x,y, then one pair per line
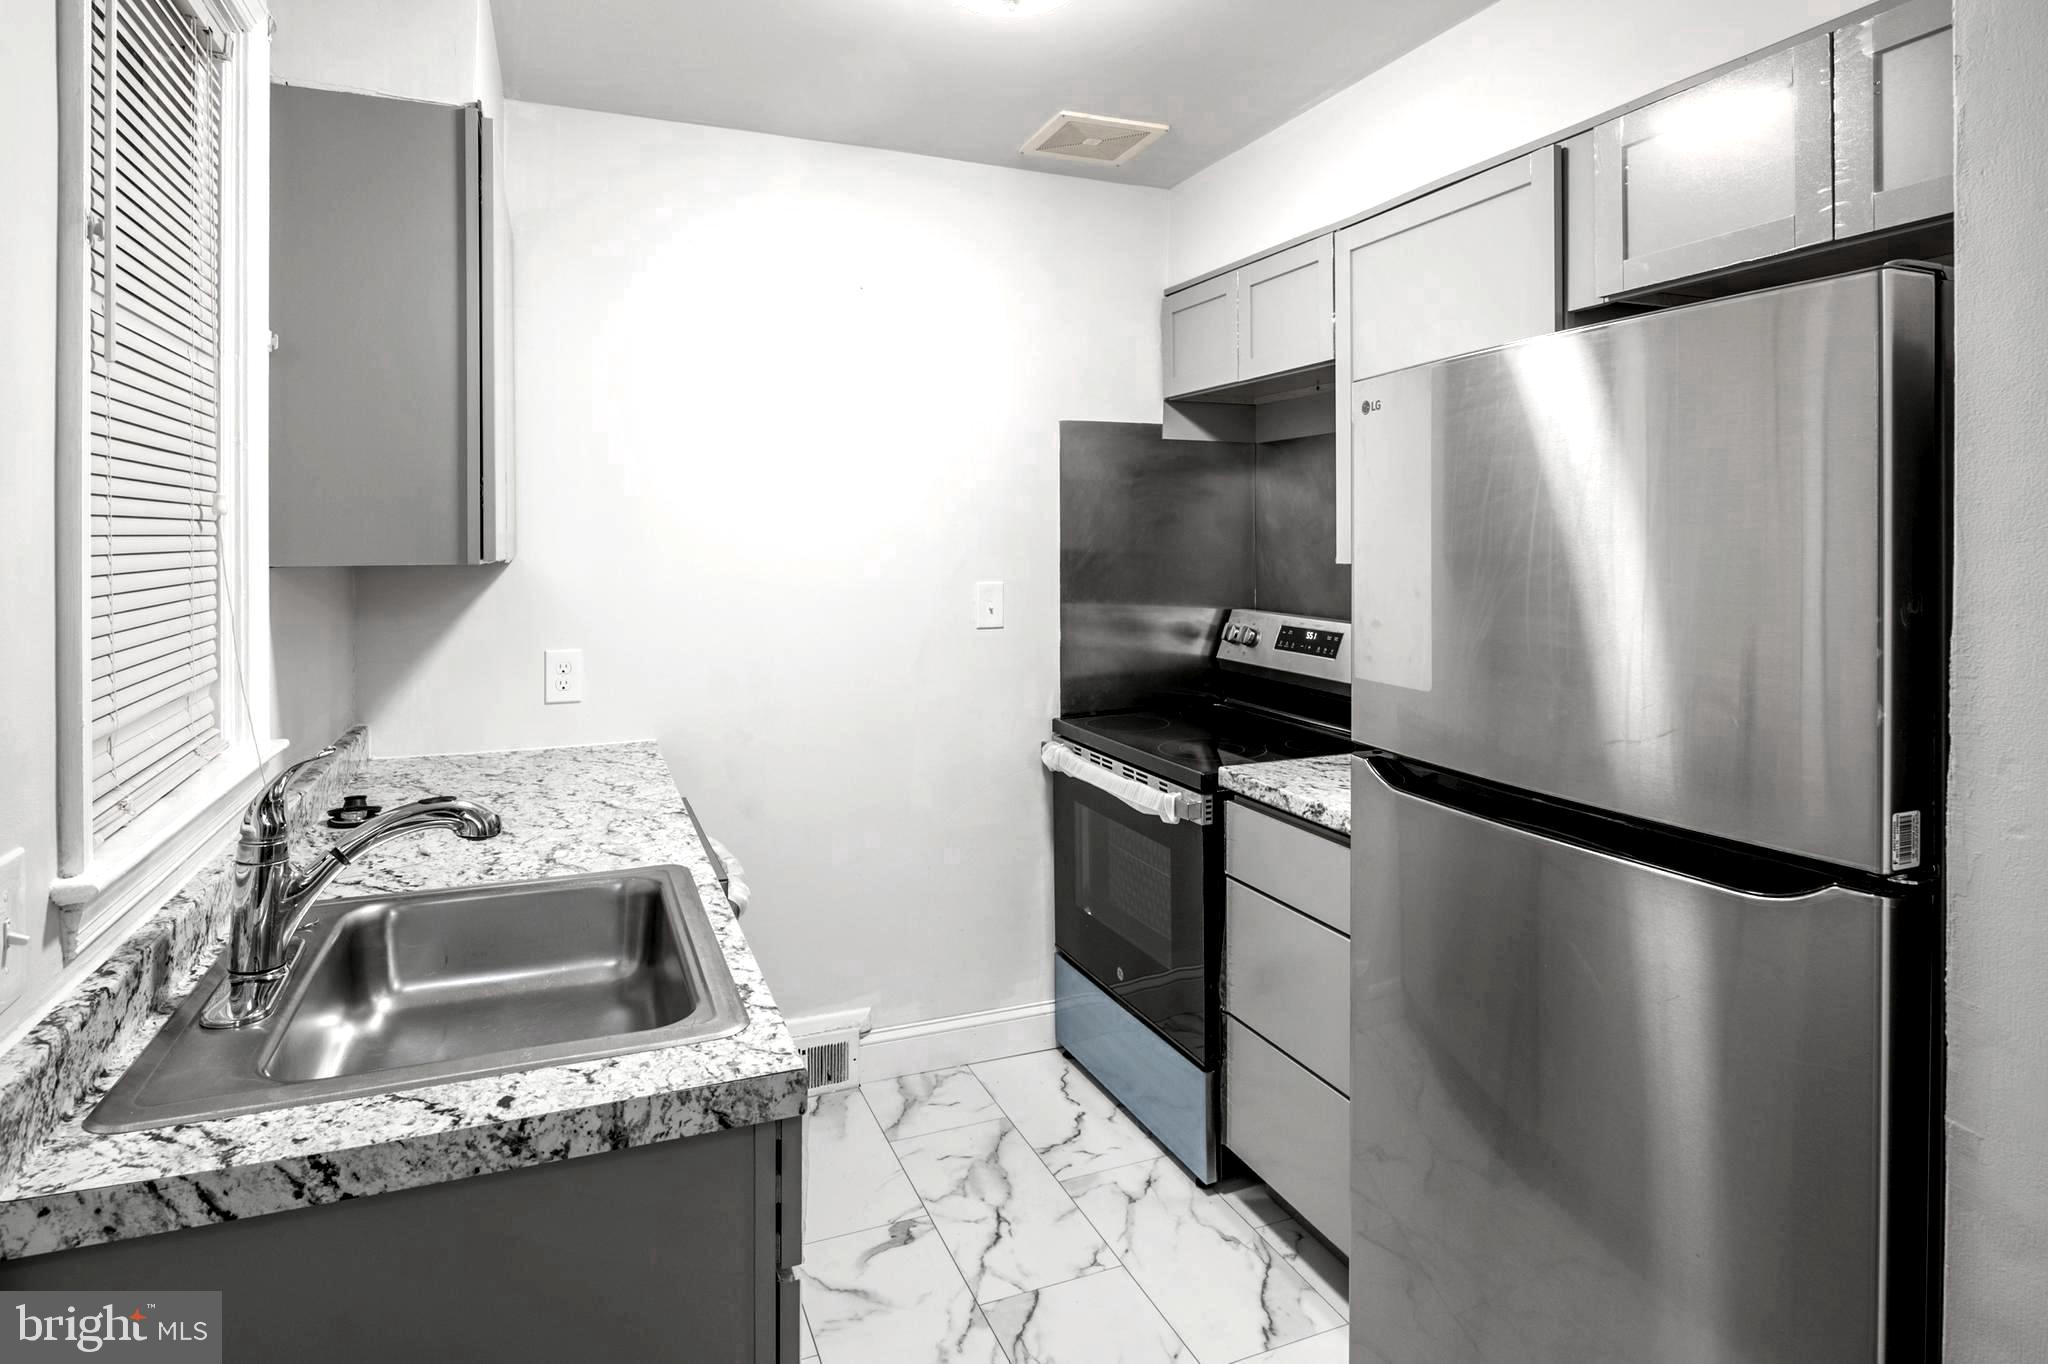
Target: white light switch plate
x,y
17,930
988,606
564,676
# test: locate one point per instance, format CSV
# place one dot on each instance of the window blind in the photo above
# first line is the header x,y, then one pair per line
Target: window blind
x,y
156,628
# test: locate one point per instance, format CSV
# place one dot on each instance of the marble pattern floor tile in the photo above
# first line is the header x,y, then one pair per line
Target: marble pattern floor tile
x,y
1102,1319
1075,1128
1331,1347
1314,1261
913,1105
891,1295
1228,1292
1006,1220
810,1344
852,1180
1253,1201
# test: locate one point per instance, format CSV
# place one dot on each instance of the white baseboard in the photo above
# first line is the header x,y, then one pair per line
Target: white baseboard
x,y
959,1040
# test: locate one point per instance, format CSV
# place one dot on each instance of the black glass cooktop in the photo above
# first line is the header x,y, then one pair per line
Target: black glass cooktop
x,y
1188,745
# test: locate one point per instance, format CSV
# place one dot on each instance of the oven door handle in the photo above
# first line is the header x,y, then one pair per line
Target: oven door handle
x,y
1168,806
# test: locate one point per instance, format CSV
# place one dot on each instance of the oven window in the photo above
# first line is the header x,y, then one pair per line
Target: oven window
x,y
1136,884
1131,906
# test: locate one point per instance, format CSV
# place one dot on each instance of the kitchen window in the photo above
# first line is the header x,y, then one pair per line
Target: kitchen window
x,y
157,723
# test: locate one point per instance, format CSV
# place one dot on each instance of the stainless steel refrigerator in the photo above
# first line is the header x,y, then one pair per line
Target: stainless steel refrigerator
x,y
1649,639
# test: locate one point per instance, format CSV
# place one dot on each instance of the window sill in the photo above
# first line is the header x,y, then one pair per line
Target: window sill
x,y
148,859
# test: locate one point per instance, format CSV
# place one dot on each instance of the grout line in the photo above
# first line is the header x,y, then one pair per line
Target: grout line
x,y
1122,1267
1263,1354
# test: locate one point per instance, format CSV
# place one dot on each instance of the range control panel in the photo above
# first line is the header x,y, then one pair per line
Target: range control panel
x,y
1302,645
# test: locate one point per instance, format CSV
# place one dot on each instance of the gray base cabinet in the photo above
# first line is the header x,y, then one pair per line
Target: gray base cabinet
x,y
1287,1013
683,1249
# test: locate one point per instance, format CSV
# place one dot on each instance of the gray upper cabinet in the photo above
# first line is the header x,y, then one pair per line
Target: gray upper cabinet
x,y
1198,329
1270,317
1733,169
383,404
1472,265
1284,311
1895,118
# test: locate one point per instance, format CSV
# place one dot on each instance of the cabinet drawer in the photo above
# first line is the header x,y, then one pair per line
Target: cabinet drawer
x,y
1289,977
1291,1128
1294,866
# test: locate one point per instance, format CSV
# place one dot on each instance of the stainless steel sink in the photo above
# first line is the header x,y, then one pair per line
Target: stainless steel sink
x,y
401,991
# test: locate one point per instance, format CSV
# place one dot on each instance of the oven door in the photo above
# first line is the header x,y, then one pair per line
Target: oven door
x,y
1132,908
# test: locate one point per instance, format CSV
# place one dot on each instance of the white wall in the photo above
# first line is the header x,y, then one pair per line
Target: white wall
x,y
781,404
313,642
1998,781
413,49
1515,72
28,516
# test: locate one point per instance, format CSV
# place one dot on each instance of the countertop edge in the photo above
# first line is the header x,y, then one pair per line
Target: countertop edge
x,y
1316,790
236,1193
80,1189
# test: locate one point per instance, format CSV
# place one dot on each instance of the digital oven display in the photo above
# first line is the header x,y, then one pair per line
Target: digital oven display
x,y
1296,639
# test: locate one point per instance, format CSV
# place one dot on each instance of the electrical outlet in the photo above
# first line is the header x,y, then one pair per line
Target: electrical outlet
x,y
564,676
988,606
16,930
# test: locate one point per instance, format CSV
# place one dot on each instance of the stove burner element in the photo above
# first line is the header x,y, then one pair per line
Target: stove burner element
x,y
1133,723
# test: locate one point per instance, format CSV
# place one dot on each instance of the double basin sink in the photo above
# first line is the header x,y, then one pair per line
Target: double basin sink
x,y
395,992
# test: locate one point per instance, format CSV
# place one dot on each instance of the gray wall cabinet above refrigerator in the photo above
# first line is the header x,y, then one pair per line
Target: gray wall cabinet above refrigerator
x,y
1736,168
1840,136
386,298
1895,147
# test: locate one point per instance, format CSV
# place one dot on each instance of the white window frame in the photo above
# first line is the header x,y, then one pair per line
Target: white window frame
x,y
102,884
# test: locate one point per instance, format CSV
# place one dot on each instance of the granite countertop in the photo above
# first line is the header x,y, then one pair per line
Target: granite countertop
x,y
1315,789
565,811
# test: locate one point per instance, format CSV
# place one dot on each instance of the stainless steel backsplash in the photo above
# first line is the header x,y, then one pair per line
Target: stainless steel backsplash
x,y
1158,538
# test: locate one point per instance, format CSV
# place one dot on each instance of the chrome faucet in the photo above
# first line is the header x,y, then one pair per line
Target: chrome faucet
x,y
269,897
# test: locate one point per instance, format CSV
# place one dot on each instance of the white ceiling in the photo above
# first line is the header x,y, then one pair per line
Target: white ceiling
x,y
966,79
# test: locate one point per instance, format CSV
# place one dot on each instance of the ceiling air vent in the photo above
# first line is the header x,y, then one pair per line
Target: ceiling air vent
x,y
1093,137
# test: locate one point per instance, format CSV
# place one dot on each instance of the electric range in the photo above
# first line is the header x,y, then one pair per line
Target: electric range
x,y
1138,863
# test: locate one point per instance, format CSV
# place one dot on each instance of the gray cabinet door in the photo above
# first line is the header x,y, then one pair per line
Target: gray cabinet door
x,y
380,438
1198,336
1895,153
1733,169
1284,311
1291,864
1291,1128
1289,977
1473,265
1581,254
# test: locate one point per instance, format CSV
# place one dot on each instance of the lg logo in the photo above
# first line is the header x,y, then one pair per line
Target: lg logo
x,y
1369,406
